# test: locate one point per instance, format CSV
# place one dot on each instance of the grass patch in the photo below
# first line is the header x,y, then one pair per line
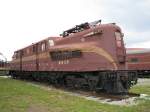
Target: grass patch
x,y
141,89
19,96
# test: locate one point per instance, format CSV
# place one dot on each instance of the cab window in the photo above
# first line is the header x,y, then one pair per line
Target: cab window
x,y
118,39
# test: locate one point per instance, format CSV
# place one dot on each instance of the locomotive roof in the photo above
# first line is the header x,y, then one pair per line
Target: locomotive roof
x,y
109,25
53,38
137,50
103,26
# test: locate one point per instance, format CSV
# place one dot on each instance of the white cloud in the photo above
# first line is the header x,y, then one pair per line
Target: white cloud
x,y
23,22
141,44
133,37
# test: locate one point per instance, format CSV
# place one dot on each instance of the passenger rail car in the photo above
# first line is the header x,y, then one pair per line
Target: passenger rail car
x,y
88,56
138,59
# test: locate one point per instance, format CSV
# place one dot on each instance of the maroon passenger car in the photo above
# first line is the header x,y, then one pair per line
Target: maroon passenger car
x,y
139,59
90,55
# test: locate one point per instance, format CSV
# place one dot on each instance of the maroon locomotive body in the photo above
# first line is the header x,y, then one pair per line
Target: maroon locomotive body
x,y
138,59
90,55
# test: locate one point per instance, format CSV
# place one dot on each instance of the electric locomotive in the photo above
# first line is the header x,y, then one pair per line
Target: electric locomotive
x,y
89,56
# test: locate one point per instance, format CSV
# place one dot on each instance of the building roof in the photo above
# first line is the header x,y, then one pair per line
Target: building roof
x,y
137,50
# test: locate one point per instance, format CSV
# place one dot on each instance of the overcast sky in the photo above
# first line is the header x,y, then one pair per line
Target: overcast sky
x,y
23,22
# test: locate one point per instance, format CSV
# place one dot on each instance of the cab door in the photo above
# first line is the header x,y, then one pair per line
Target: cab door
x,y
120,47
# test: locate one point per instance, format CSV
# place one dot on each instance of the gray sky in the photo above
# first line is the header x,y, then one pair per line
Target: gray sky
x,y
23,22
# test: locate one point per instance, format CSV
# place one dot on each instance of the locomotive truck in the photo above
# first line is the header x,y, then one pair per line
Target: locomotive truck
x,y
88,56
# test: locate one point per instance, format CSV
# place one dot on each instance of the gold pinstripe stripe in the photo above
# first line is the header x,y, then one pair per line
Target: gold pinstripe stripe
x,y
93,49
33,57
103,53
96,50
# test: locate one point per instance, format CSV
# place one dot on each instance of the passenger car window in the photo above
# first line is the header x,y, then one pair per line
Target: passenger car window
x,y
134,60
